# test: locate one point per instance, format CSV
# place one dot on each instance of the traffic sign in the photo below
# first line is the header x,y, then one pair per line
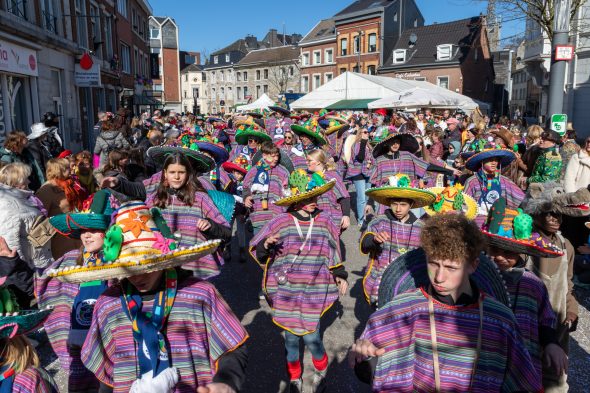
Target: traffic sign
x,y
558,123
564,52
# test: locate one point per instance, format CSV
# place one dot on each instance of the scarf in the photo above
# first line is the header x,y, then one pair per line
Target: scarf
x,y
214,177
88,182
491,188
6,379
74,193
152,352
262,178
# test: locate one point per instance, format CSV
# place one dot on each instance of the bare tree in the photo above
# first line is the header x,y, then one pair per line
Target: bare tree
x,y
282,75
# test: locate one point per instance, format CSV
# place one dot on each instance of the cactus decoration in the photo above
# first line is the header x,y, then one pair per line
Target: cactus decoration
x,y
523,226
300,181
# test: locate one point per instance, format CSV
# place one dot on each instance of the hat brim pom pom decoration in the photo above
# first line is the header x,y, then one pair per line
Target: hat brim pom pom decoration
x,y
113,242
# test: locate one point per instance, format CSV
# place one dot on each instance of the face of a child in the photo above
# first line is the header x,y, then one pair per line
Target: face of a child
x,y
92,240
549,222
238,175
309,205
313,165
449,277
394,146
504,259
491,165
176,175
458,162
271,159
84,167
305,140
400,208
146,282
253,143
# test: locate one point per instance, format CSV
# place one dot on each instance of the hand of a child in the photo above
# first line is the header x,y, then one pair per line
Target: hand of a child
x,y
361,350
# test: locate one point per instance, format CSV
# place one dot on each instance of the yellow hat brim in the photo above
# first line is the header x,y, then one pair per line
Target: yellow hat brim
x,y
333,129
469,206
290,200
383,195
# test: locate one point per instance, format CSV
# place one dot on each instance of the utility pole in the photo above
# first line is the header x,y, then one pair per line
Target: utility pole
x,y
561,24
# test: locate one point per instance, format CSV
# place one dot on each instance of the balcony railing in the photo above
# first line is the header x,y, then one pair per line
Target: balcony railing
x,y
18,8
49,21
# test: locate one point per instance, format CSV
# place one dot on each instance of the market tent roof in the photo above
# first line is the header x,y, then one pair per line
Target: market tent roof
x,y
261,103
431,97
354,86
351,104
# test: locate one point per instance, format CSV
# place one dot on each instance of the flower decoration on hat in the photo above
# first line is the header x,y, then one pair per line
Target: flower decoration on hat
x,y
134,223
454,193
452,199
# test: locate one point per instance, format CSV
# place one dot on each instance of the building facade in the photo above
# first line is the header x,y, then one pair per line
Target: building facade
x,y
192,85
318,56
165,61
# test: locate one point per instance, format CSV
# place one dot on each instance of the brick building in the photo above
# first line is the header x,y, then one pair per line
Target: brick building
x,y
454,55
318,56
366,31
165,54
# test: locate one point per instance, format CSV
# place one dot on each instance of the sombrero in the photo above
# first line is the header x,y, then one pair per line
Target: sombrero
x,y
95,214
407,143
284,160
409,271
219,153
304,186
335,123
224,202
186,144
512,230
15,322
252,130
213,119
312,129
400,187
281,110
240,164
452,199
489,149
139,242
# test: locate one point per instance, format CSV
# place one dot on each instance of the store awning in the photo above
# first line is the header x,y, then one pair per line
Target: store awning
x,y
352,104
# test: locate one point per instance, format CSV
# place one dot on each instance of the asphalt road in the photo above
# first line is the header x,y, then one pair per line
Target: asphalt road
x,y
239,284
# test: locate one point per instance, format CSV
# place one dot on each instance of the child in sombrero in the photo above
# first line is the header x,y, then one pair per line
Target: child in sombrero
x,y
394,232
157,330
299,253
74,303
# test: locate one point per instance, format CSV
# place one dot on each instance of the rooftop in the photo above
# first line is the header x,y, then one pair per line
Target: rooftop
x,y
323,30
364,5
280,54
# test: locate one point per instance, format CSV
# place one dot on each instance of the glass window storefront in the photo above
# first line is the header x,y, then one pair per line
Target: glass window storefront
x,y
15,104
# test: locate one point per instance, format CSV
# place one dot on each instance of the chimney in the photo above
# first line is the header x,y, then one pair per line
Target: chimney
x,y
251,42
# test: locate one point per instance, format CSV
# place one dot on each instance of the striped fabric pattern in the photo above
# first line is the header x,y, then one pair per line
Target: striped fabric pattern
x,y
151,184
34,380
299,161
402,328
403,236
335,144
279,178
183,218
328,202
355,168
200,329
532,308
311,290
50,292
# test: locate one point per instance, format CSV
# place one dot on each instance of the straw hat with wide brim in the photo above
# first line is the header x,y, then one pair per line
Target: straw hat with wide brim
x,y
316,191
469,206
407,143
409,272
384,194
135,245
314,133
527,247
200,162
474,162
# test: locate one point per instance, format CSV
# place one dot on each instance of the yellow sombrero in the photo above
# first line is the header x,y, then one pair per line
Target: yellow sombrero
x,y
399,187
304,186
452,199
336,123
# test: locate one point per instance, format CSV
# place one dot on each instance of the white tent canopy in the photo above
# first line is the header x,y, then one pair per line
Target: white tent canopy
x,y
261,103
421,97
355,86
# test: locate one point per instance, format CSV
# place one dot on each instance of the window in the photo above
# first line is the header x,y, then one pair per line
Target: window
x,y
126,58
316,81
291,71
245,92
304,84
81,23
221,75
317,59
49,14
356,43
134,21
442,81
189,59
371,70
328,56
186,77
213,94
18,8
443,52
122,7
420,78
343,47
266,74
213,79
230,77
227,57
230,94
239,92
305,59
158,88
95,26
328,76
155,34
342,71
222,93
257,75
356,68
108,36
415,22
257,91
265,89
185,94
245,77
215,59
399,56
146,70
372,42
239,76
135,61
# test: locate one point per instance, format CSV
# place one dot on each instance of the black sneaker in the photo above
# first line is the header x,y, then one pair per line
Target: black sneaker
x,y
296,386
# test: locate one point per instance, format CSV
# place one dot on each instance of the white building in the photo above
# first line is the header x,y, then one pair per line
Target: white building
x,y
192,88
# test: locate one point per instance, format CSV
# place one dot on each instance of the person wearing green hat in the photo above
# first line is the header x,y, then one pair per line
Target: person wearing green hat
x,y
249,136
548,165
311,137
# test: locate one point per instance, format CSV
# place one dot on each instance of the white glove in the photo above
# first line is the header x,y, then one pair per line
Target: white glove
x,y
163,383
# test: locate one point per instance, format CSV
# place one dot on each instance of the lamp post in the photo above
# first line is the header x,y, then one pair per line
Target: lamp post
x,y
557,76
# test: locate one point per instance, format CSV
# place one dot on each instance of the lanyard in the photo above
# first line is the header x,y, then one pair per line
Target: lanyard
x,y
435,344
300,232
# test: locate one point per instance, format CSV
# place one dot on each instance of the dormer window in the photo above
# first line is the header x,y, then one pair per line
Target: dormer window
x,y
215,59
399,56
227,57
444,52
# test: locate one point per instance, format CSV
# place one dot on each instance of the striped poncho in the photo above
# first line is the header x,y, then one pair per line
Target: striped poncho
x,y
311,289
51,292
200,329
151,183
407,164
403,238
34,380
328,202
279,177
183,218
354,168
402,328
532,308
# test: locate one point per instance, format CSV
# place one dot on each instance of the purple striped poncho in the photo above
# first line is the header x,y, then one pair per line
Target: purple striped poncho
x,y
335,144
183,218
355,168
311,289
209,184
35,380
402,328
329,202
279,178
404,237
50,292
200,329
407,164
151,184
272,124
513,194
531,306
297,158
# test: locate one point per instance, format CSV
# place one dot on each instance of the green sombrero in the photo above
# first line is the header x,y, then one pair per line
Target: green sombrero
x,y
247,130
304,186
312,129
16,322
96,214
186,144
400,187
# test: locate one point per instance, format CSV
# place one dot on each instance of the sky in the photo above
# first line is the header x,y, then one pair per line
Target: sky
x,y
206,25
